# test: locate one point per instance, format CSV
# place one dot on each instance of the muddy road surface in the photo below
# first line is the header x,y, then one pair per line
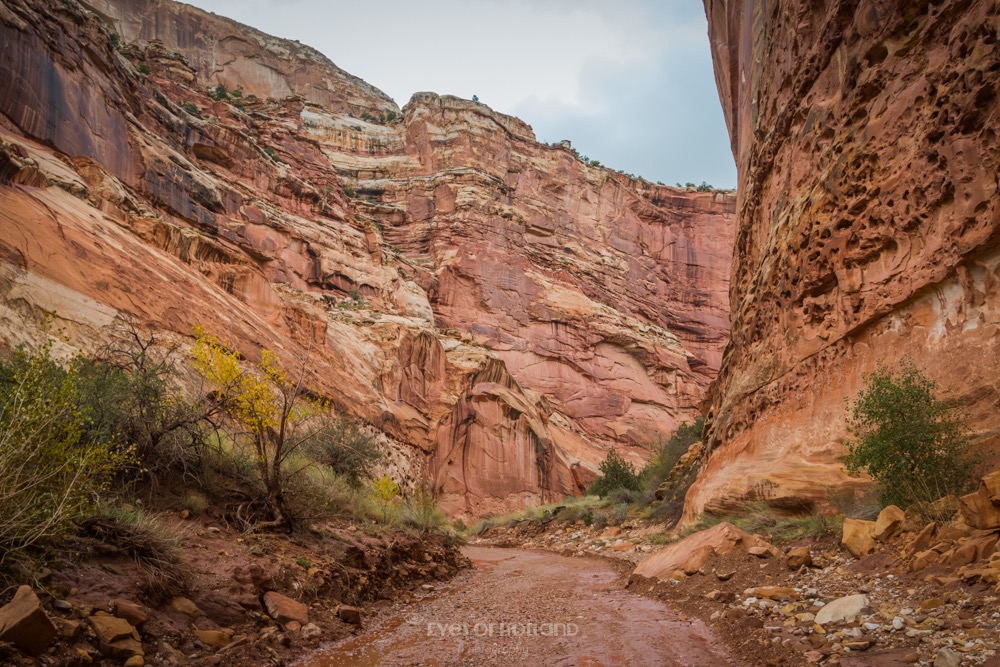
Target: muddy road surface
x,y
528,608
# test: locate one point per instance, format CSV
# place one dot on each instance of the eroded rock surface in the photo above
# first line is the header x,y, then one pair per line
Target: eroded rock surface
x,y
503,312
865,134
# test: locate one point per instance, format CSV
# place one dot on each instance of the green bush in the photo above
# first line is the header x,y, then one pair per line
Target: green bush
x,y
914,444
52,464
616,473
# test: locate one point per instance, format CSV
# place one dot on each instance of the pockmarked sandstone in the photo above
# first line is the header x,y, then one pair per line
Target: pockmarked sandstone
x,y
865,137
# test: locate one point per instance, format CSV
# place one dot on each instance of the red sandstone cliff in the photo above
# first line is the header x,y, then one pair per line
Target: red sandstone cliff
x,y
865,134
501,310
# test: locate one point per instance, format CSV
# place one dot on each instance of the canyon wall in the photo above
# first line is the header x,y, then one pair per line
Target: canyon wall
x,y
502,311
868,229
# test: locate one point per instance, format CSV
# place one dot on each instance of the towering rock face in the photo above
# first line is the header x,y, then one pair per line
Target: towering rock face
x,y
501,310
865,134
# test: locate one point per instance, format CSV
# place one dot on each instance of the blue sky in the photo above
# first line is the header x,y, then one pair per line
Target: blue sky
x,y
630,83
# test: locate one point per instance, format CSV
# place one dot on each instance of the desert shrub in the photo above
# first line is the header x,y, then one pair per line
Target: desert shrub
x,y
316,493
129,395
616,473
914,444
622,495
618,514
52,465
152,543
348,447
600,519
668,453
143,68
421,512
196,503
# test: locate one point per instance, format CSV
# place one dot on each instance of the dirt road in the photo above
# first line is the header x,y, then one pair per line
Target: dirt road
x,y
529,608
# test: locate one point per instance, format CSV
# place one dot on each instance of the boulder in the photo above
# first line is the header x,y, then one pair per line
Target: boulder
x,y
720,539
841,610
922,540
697,559
284,609
991,483
889,522
859,537
25,624
798,557
982,508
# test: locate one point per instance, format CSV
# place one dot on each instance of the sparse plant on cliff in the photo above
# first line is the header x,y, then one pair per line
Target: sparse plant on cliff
x,y
667,454
268,412
616,473
348,448
143,68
914,444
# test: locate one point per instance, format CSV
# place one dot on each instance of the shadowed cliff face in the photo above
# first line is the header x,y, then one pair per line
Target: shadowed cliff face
x,y
865,134
502,311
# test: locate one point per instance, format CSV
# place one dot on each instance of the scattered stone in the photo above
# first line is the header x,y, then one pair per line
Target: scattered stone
x,y
889,522
284,609
898,623
774,592
799,557
761,551
349,614
25,624
68,629
858,537
134,613
947,658
859,645
135,661
214,638
186,607
311,631
841,610
110,629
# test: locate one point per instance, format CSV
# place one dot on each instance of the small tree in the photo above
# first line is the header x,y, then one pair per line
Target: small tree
x,y
912,443
267,410
616,473
384,491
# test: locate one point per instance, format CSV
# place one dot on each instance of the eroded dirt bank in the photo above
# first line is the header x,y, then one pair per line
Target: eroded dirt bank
x,y
521,607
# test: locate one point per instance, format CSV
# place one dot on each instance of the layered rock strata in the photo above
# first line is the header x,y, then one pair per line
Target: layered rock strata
x,y
503,312
865,134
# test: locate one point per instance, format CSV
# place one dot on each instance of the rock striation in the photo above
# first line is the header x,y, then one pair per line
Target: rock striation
x,y
502,311
865,135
